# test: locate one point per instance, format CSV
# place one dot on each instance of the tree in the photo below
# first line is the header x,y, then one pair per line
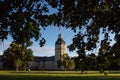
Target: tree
x,y
80,62
16,57
80,46
114,54
77,63
65,62
88,18
102,58
91,60
23,20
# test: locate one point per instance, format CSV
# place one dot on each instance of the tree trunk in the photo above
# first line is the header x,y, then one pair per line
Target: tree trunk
x,y
17,65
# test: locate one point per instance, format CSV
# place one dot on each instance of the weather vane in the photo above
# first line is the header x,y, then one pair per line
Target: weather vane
x,y
1,42
59,29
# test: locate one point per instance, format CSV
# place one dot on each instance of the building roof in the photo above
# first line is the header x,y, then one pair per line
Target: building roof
x,y
41,59
38,58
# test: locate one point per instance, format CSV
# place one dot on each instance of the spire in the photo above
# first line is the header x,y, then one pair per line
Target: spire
x,y
1,42
60,36
59,29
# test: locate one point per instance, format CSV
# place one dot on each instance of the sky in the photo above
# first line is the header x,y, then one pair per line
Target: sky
x,y
51,35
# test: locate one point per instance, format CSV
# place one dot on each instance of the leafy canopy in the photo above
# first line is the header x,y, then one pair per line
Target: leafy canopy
x,y
23,20
88,18
17,56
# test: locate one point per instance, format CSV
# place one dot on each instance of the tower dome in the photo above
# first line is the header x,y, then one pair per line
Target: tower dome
x,y
60,40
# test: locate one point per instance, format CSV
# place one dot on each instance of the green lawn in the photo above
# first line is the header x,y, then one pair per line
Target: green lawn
x,y
58,75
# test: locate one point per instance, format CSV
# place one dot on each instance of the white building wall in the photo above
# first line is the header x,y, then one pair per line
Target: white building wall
x,y
48,65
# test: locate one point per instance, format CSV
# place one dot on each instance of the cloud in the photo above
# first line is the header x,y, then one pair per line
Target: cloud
x,y
43,51
37,51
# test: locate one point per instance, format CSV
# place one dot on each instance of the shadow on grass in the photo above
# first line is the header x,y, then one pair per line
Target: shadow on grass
x,y
54,72
37,77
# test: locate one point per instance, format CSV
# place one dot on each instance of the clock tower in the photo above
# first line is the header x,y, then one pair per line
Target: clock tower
x,y
60,49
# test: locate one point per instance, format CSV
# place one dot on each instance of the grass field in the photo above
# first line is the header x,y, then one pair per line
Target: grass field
x,y
58,75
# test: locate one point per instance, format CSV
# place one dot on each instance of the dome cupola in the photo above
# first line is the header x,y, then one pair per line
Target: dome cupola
x,y
60,40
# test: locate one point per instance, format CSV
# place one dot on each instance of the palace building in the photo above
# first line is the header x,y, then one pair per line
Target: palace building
x,y
50,63
47,63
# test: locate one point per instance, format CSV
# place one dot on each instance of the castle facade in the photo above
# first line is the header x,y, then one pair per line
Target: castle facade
x,y
47,63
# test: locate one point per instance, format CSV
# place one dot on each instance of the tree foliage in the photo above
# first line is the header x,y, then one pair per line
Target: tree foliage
x,y
17,57
114,54
65,62
88,18
91,60
23,20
